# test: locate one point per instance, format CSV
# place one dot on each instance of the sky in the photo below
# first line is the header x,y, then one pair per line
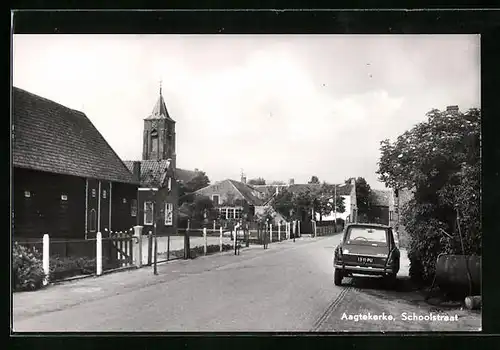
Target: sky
x,y
273,106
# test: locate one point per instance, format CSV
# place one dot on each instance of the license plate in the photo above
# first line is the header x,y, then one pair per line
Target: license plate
x,y
365,260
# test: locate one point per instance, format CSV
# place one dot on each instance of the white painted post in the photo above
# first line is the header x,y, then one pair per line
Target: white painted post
x,y
204,241
99,254
214,226
220,238
298,229
279,232
270,233
46,260
137,243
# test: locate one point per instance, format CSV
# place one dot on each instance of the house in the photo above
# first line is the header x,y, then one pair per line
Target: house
x,y
157,173
67,180
347,191
382,206
230,197
400,197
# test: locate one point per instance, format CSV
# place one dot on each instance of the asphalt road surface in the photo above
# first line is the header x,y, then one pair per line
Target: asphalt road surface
x,y
288,287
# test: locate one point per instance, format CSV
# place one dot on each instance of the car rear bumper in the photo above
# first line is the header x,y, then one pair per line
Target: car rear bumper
x,y
365,270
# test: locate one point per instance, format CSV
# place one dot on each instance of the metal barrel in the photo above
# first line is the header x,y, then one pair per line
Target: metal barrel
x,y
452,274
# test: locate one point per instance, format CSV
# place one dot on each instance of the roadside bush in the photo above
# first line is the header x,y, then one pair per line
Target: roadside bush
x,y
198,251
27,268
61,268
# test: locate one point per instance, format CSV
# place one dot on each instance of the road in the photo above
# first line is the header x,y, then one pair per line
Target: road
x,y
288,287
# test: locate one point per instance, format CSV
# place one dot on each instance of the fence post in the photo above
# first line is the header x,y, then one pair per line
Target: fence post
x,y
214,226
270,233
98,254
45,258
137,244
279,232
150,248
299,228
220,238
204,241
234,236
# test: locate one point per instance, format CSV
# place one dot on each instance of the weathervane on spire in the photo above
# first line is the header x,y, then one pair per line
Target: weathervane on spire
x,y
160,85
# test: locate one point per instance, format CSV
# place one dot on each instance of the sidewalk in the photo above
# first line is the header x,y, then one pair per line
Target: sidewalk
x,y
71,293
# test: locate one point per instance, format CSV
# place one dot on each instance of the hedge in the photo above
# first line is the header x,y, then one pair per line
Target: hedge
x,y
27,268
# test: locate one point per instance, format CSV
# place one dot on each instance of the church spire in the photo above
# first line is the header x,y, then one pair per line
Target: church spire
x,y
160,87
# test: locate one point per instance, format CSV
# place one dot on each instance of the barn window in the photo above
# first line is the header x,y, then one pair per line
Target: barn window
x,y
124,200
64,197
93,193
133,208
148,213
92,220
104,194
169,214
27,194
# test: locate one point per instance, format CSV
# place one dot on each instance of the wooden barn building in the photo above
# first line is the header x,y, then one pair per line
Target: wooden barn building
x,y
67,180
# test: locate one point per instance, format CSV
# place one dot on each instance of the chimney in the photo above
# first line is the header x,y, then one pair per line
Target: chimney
x,y
452,109
195,170
291,182
243,179
136,170
353,182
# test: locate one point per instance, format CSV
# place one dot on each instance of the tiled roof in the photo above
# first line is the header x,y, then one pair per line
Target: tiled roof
x,y
247,192
152,171
381,197
53,138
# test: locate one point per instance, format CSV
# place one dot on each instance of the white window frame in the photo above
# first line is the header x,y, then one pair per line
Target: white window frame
x,y
104,194
152,213
94,193
169,214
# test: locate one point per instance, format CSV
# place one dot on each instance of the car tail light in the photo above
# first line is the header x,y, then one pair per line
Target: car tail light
x,y
338,255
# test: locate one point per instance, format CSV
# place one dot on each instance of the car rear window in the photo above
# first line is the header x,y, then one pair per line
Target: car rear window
x,y
366,235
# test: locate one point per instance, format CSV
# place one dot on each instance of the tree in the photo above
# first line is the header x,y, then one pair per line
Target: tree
x,y
440,160
186,190
200,206
314,180
200,181
364,197
277,183
258,181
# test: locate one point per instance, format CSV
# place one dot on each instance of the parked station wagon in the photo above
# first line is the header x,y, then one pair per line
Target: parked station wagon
x,y
366,249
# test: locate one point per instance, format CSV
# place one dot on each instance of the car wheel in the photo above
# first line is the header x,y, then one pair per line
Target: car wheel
x,y
337,277
390,281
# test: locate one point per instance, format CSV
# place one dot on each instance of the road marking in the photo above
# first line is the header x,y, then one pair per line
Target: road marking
x,y
321,320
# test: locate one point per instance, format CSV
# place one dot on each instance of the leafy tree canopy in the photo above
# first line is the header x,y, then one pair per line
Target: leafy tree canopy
x,y
314,180
440,160
257,181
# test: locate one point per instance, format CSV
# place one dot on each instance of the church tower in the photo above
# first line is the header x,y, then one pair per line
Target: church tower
x,y
159,134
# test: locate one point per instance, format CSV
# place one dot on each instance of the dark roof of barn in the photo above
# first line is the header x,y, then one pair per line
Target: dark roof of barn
x,y
152,171
381,198
53,138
